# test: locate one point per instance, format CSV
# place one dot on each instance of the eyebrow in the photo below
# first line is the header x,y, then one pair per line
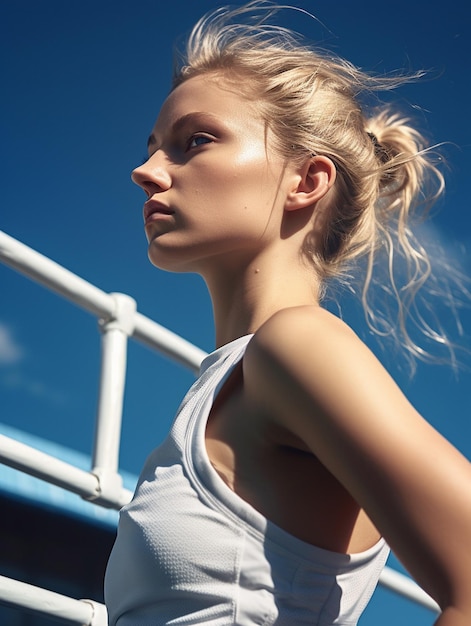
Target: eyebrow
x,y
181,122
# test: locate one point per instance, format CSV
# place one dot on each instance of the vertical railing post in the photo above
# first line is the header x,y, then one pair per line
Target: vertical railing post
x,y
115,332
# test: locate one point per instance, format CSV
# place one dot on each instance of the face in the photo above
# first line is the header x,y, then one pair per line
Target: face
x,y
214,187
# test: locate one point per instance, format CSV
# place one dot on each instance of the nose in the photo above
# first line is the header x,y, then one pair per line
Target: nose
x,y
153,175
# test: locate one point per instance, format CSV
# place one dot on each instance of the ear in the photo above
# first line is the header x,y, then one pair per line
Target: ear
x,y
312,181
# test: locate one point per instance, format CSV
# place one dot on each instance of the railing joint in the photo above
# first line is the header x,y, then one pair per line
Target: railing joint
x,y
123,317
110,488
99,613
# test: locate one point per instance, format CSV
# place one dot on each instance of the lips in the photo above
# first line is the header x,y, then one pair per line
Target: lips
x,y
154,209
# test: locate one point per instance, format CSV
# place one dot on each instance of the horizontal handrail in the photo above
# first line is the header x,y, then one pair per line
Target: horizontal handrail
x,y
83,612
90,613
46,467
406,587
89,297
47,272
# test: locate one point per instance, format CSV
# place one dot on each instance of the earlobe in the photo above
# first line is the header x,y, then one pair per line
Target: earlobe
x,y
314,179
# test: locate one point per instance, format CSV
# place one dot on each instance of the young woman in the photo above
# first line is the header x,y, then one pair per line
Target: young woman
x,y
294,460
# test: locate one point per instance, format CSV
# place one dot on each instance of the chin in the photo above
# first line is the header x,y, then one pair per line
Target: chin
x,y
167,260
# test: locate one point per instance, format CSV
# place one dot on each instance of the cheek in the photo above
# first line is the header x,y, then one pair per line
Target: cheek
x,y
250,157
251,177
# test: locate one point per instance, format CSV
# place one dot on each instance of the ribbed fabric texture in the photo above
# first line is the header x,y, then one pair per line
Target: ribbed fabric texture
x,y
190,551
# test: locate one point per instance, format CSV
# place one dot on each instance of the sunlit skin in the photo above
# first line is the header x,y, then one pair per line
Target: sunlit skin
x,y
208,164
232,216
310,429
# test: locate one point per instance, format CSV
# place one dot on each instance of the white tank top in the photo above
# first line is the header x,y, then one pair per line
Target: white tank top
x,y
191,551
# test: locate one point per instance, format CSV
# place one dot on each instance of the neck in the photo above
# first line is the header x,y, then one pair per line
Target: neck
x,y
242,302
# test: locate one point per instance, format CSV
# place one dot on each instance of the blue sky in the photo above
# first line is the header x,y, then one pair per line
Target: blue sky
x,y
82,83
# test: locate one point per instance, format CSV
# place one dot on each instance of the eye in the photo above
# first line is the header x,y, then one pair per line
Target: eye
x,y
198,140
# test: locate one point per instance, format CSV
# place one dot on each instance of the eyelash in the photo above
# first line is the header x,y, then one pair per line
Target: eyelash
x,y
146,157
197,136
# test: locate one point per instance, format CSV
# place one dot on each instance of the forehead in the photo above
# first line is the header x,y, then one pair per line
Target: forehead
x,y
211,95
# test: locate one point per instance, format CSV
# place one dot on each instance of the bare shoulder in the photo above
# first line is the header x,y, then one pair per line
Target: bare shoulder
x,y
300,320
308,323
306,331
312,347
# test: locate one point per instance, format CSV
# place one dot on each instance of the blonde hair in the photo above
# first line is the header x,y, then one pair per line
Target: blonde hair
x,y
310,100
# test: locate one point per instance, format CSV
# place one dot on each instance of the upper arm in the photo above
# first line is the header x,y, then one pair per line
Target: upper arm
x,y
316,378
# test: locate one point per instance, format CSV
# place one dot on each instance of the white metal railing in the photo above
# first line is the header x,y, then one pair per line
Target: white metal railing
x,y
118,320
68,610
